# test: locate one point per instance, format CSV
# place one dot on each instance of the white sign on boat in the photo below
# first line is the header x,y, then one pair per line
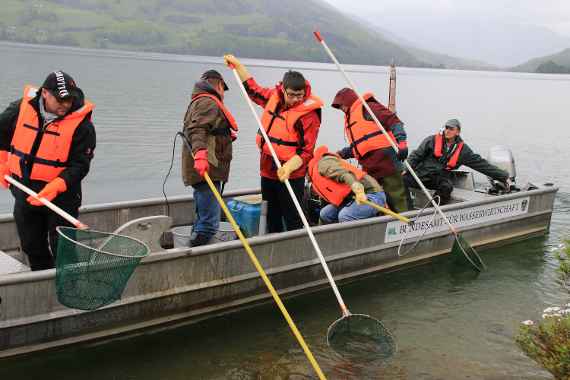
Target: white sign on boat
x,y
397,230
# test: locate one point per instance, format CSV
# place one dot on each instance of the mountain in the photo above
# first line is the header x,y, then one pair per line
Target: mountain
x,y
463,29
269,29
558,63
435,59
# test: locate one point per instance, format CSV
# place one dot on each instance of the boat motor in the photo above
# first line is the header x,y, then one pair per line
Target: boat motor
x,y
502,157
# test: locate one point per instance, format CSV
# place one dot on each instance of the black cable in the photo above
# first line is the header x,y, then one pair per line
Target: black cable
x,y
187,143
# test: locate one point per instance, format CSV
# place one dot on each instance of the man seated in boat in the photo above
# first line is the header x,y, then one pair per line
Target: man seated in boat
x,y
439,154
345,187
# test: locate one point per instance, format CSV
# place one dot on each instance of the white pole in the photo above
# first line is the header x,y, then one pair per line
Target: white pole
x,y
47,203
408,166
294,198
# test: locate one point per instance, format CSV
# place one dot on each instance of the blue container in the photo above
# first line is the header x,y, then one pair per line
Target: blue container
x,y
246,215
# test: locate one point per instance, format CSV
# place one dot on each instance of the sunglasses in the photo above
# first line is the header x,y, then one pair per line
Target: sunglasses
x,y
451,128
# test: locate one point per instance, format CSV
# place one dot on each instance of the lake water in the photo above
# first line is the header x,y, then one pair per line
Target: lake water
x,y
447,326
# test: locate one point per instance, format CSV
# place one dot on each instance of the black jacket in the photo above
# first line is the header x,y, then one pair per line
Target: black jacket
x,y
80,155
425,164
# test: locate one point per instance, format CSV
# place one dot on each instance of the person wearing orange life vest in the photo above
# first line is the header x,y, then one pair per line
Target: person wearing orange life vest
x,y
371,147
291,118
443,152
47,141
344,187
210,129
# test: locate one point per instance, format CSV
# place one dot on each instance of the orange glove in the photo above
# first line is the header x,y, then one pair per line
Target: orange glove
x,y
201,162
4,170
49,192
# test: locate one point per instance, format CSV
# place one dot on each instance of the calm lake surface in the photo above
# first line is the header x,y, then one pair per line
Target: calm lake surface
x,y
447,325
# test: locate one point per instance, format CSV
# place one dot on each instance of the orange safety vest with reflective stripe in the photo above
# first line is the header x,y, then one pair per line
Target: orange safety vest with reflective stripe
x,y
328,189
364,135
438,151
229,117
280,126
52,155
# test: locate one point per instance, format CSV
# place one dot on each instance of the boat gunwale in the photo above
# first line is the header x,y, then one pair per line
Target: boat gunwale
x,y
175,253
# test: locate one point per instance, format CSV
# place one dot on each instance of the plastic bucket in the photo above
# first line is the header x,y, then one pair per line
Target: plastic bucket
x,y
181,236
225,233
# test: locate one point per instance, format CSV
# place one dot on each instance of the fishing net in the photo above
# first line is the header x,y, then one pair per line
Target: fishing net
x,y
362,338
92,268
463,250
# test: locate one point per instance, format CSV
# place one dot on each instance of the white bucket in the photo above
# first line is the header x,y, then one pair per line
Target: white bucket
x,y
225,233
181,235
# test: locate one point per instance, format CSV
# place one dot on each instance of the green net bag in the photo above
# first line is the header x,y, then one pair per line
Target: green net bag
x,y
92,268
361,338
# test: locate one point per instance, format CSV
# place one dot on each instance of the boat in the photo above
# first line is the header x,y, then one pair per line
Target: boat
x,y
174,286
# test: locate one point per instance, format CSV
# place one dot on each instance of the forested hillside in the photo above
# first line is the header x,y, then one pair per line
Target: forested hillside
x,y
271,29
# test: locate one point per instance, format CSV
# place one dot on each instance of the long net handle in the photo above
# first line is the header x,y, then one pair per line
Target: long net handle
x,y
392,143
47,203
259,268
341,303
387,211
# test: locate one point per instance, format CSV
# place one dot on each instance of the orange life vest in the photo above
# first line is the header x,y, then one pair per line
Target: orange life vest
x,y
52,154
438,151
280,126
328,189
229,117
364,135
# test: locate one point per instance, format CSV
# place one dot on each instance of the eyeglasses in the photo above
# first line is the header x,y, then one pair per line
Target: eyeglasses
x,y
451,128
295,95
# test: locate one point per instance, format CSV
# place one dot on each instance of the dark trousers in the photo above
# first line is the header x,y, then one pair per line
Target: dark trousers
x,y
36,229
280,207
441,184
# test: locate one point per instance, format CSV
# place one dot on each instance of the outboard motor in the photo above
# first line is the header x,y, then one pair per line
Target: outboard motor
x,y
502,157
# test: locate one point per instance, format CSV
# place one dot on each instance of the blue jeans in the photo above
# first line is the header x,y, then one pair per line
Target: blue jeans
x,y
207,210
352,211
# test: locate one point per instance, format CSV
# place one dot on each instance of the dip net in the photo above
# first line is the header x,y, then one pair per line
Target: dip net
x,y
462,249
361,338
92,268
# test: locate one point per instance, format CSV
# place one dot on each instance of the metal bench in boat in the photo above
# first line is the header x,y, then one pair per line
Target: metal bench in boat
x,y
148,229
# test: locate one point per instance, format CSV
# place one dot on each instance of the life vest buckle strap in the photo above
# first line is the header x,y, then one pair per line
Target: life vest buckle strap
x,y
364,138
275,114
38,160
283,142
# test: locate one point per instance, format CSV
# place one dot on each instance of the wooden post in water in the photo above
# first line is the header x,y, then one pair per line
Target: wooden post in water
x,y
392,89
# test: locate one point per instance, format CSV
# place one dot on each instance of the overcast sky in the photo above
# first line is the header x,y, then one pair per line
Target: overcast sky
x,y
501,32
553,14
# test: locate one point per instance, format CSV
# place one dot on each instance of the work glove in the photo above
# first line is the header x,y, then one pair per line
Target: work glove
x,y
233,62
4,170
359,194
201,162
49,192
345,153
402,150
289,167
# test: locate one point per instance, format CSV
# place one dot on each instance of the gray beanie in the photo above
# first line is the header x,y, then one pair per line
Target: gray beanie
x,y
454,123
